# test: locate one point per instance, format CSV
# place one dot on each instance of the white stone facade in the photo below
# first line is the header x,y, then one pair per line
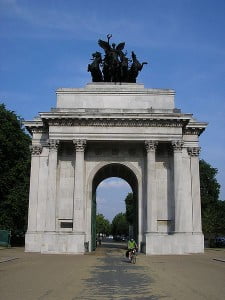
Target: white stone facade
x,y
120,130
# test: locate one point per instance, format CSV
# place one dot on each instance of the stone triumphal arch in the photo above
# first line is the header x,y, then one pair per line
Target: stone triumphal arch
x,y
122,130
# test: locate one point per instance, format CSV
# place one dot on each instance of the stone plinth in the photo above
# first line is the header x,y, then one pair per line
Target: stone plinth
x,y
115,96
177,243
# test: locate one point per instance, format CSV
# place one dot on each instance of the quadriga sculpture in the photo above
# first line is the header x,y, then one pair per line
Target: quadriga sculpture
x,y
115,67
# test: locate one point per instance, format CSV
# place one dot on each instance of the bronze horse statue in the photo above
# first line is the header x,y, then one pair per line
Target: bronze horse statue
x,y
94,67
135,68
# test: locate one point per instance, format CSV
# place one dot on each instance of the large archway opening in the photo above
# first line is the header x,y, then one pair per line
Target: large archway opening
x,y
110,197
113,170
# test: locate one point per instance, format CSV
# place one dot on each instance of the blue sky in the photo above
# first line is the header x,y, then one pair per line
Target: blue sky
x,y
47,44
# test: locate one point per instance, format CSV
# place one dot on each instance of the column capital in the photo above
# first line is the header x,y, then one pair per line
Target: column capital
x,y
151,145
80,144
35,149
194,151
177,145
53,144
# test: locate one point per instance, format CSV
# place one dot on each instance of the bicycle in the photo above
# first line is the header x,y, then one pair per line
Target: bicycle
x,y
133,256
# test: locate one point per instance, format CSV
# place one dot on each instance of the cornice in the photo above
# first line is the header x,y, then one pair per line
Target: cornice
x,y
35,126
114,89
195,128
115,119
69,119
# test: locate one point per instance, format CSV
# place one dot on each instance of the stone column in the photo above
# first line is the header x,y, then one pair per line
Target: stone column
x,y
33,195
78,204
195,188
178,182
151,188
52,184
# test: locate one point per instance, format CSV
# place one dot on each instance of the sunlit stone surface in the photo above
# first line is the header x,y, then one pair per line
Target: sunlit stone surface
x,y
120,130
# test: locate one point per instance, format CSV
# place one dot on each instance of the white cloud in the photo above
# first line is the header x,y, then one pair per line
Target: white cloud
x,y
82,24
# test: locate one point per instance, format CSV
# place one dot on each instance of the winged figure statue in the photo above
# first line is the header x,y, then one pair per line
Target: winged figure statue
x,y
112,60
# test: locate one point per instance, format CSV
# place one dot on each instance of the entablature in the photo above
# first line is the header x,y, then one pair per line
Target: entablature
x,y
185,122
36,126
115,119
195,128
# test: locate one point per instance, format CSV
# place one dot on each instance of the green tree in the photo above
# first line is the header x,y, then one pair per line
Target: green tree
x,y
102,225
220,223
120,225
213,210
14,171
209,186
130,208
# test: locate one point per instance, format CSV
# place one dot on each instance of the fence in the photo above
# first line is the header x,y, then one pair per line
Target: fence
x,y
5,236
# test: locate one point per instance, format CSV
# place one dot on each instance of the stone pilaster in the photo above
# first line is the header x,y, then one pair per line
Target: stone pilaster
x,y
78,206
34,185
52,184
186,196
151,187
195,188
178,183
43,189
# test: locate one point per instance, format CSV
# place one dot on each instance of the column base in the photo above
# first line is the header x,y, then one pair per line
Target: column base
x,y
55,242
176,243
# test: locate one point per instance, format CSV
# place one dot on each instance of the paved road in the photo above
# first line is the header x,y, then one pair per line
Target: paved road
x,y
106,274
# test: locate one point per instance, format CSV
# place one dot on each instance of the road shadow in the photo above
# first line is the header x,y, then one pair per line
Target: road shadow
x,y
114,277
110,244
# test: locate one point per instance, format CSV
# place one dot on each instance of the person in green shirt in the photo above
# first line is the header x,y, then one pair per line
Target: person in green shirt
x,y
131,245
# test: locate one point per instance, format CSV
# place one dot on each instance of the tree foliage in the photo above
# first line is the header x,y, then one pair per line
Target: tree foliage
x,y
102,225
213,210
130,208
14,171
210,188
120,225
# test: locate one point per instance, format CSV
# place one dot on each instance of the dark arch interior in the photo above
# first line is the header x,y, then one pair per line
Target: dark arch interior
x,y
114,170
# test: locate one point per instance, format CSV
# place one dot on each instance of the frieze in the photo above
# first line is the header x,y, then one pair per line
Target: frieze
x,y
193,131
194,151
80,144
109,122
36,149
38,130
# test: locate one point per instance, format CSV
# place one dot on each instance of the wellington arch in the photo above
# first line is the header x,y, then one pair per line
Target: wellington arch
x,y
123,130
115,127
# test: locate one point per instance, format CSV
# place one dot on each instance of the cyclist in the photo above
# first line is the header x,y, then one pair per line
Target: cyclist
x,y
131,245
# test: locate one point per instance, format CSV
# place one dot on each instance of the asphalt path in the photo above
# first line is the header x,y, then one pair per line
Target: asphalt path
x,y
107,274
